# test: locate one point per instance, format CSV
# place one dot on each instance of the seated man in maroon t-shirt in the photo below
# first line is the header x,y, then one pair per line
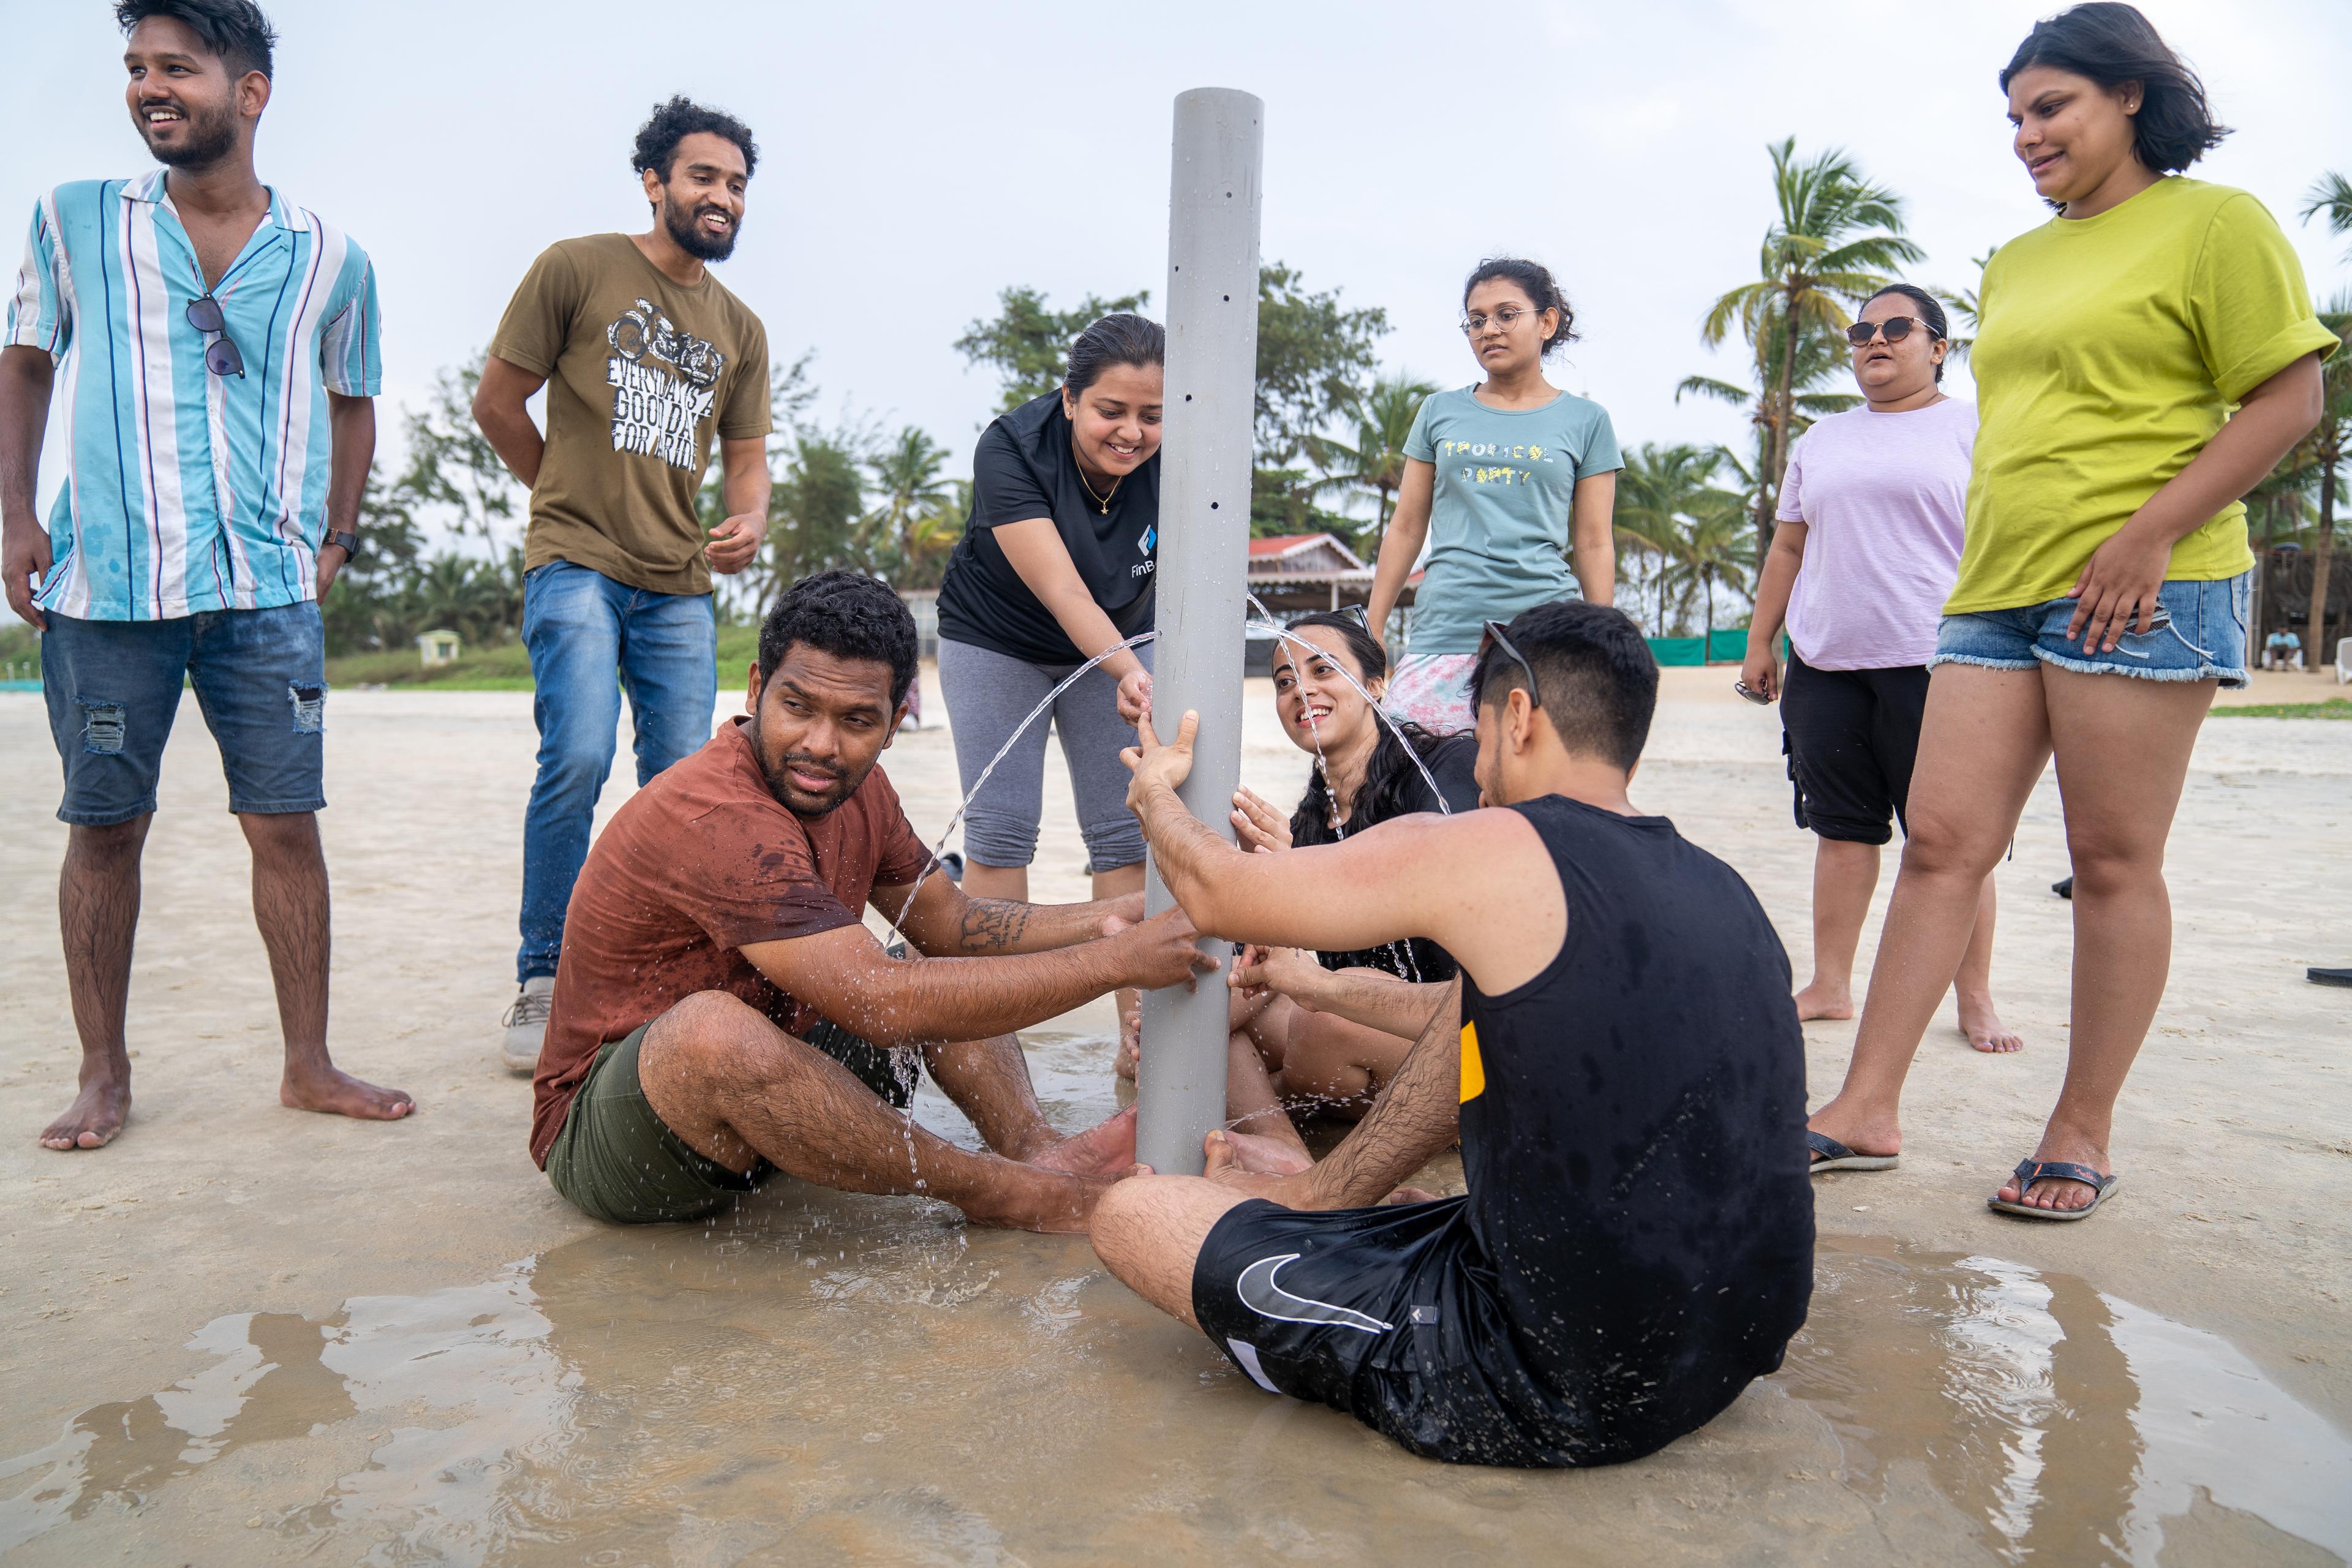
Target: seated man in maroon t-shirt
x,y
719,999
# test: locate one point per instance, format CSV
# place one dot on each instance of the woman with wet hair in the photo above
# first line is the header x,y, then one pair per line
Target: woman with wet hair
x,y
1288,1050
1509,481
2142,360
1055,566
1867,547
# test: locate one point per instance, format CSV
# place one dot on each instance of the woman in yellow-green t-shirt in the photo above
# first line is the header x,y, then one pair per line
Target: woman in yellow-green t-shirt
x,y
2142,361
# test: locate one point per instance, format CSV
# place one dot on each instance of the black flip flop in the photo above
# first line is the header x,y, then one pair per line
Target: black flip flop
x,y
2329,976
2028,1172
1836,1156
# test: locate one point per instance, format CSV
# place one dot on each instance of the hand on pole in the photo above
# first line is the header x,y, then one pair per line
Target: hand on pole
x,y
1152,763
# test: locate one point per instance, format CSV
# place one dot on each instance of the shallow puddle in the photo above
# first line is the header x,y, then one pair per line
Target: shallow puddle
x,y
818,1378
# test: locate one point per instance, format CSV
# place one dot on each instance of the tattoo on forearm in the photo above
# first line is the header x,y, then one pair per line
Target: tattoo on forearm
x,y
993,925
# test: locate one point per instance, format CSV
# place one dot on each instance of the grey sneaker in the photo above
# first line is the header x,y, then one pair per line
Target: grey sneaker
x,y
526,1024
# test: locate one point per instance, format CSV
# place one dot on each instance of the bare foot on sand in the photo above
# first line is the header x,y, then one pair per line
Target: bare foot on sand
x,y
1130,1043
327,1088
1106,1149
97,1114
1984,1028
2056,1192
1821,1000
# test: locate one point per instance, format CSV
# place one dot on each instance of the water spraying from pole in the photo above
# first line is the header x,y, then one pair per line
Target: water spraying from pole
x,y
1204,566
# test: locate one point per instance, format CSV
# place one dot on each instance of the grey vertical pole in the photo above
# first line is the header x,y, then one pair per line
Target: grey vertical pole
x,y
1204,502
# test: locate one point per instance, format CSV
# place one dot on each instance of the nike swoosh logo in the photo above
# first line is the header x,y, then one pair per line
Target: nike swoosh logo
x,y
1260,1294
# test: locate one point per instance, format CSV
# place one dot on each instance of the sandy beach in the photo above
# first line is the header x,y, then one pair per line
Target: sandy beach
x,y
246,1334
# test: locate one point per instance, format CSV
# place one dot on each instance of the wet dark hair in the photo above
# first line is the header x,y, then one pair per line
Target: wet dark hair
x,y
2113,43
1122,339
235,31
673,122
1392,786
1534,280
1931,311
847,614
1598,678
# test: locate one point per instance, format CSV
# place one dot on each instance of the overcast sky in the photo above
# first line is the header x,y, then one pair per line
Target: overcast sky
x,y
915,159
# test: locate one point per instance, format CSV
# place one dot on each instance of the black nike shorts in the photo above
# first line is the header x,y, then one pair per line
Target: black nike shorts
x,y
1852,736
1388,1314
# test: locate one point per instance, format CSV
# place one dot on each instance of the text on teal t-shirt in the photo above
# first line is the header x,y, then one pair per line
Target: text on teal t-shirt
x,y
1498,524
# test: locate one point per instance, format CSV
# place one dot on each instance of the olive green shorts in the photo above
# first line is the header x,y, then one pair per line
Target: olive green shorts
x,y
617,1160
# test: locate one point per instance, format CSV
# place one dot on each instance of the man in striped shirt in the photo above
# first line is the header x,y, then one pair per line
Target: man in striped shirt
x,y
215,349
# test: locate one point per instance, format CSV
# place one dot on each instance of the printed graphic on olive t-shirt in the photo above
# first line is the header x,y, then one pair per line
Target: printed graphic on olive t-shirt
x,y
655,410
642,374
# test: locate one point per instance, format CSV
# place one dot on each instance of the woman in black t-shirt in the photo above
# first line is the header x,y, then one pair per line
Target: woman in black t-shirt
x,y
1056,565
1362,775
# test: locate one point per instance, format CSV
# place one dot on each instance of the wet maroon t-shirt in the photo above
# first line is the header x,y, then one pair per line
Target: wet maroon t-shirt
x,y
699,864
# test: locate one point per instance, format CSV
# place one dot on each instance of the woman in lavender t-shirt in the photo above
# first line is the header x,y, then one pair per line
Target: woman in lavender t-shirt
x,y
1867,547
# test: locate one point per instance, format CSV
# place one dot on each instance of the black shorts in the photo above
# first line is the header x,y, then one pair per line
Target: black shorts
x,y
1851,737
1389,1315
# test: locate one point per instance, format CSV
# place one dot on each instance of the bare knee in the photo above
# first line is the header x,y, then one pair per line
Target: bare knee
x,y
114,842
1943,845
711,1035
2104,865
292,835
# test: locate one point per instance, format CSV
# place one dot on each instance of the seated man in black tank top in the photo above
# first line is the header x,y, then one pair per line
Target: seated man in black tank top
x,y
1620,1056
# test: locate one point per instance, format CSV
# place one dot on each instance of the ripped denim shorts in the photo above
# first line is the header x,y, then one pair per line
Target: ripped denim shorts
x,y
2205,638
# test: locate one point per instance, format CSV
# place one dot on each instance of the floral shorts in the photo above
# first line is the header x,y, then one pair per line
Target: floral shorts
x,y
1432,691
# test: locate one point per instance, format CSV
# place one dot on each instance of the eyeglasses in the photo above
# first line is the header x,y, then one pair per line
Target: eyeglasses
x,y
221,357
1356,614
1495,637
1896,328
1508,317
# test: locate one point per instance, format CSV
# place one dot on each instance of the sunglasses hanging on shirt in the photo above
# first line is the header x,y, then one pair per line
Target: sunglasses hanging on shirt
x,y
221,357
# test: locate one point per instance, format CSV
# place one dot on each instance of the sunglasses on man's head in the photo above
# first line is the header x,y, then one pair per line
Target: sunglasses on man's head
x,y
221,357
1896,328
1495,638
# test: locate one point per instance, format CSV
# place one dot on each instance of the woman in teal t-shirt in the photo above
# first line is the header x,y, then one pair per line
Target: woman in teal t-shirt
x,y
1507,480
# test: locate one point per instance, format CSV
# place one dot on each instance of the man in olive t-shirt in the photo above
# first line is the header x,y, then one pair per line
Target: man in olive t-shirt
x,y
646,357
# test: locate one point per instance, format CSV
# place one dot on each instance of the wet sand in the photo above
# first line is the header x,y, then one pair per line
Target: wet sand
x,y
247,1334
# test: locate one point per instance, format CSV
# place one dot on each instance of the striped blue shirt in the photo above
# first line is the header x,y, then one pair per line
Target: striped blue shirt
x,y
189,491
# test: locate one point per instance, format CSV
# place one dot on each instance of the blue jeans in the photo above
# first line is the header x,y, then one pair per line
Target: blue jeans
x,y
580,626
113,689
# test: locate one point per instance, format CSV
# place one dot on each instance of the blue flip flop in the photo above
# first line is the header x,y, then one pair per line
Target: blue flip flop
x,y
2028,1172
1836,1156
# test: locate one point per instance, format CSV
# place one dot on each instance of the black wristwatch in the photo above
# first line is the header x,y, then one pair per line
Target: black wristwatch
x,y
349,541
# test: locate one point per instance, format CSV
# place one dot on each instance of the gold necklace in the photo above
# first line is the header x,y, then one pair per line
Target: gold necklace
x,y
1103,502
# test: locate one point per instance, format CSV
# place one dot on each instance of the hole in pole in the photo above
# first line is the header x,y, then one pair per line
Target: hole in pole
x,y
1212,506
1228,299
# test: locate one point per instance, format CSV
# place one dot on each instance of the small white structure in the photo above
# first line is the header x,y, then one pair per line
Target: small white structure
x,y
437,647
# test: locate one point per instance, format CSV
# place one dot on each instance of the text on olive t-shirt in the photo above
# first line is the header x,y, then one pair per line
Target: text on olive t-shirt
x,y
641,372
699,864
1023,468
2110,350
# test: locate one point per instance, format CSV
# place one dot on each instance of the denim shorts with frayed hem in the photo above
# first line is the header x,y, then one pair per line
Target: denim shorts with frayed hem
x,y
2205,641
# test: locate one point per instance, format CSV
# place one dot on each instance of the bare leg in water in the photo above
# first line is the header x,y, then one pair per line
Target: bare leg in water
x,y
738,1090
2123,751
1845,874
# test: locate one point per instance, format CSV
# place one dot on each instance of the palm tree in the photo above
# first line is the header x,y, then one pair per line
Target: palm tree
x,y
1834,242
2331,193
934,536
1383,417
2329,444
1821,362
907,476
1669,505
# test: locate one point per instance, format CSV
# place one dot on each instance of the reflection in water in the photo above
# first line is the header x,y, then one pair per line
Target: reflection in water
x,y
2070,1424
815,1378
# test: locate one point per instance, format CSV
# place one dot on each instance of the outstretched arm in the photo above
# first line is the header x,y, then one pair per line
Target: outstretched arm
x,y
1414,1119
1365,996
944,921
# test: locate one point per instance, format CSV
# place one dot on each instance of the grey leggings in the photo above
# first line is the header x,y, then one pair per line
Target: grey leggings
x,y
988,693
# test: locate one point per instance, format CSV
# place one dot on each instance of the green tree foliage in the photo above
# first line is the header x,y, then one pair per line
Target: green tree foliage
x,y
2330,197
453,468
1027,341
1381,417
1685,534
815,508
1835,241
909,489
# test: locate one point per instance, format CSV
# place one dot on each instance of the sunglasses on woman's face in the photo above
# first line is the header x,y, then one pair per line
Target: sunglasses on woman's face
x,y
1896,328
221,357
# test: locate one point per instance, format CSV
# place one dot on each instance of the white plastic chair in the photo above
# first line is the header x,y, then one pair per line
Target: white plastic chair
x,y
2343,661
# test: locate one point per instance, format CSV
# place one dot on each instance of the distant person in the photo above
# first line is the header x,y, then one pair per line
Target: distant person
x,y
195,534
1296,1043
1868,543
2102,591
1624,1067
721,1013
2282,651
1510,481
644,356
1057,565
